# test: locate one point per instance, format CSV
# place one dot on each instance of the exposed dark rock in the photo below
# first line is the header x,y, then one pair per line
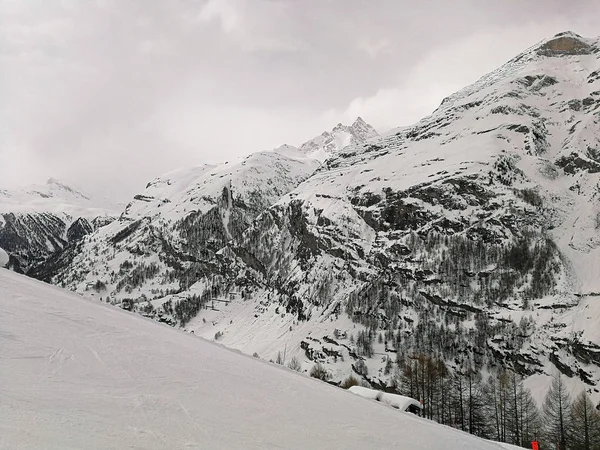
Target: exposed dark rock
x,y
126,232
329,340
565,45
586,377
437,300
574,163
594,76
538,81
588,101
249,259
562,367
519,128
586,353
143,198
437,195
399,249
521,364
397,214
298,227
366,199
470,190
78,230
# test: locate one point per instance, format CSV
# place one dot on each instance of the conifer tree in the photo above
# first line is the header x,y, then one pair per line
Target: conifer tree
x,y
557,414
585,421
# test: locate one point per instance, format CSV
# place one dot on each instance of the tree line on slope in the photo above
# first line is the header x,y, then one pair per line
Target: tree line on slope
x,y
437,301
500,407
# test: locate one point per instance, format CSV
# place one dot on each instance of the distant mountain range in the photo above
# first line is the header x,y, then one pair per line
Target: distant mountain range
x,y
41,220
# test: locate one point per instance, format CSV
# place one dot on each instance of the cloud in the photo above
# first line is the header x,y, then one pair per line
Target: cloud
x,y
225,11
392,107
375,48
254,26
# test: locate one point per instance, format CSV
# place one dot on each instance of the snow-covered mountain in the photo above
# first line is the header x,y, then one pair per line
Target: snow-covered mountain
x,y
329,143
54,197
472,236
171,234
78,374
40,220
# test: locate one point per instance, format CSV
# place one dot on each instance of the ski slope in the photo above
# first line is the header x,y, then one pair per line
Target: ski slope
x,y
75,374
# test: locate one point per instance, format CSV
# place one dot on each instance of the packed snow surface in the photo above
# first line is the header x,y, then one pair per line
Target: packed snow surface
x,y
80,374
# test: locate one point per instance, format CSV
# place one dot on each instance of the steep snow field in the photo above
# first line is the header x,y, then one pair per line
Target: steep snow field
x,y
80,374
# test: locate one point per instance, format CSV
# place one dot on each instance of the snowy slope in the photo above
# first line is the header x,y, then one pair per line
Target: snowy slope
x,y
78,374
341,136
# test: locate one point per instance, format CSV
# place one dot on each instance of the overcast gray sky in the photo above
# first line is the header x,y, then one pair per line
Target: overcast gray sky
x,y
108,94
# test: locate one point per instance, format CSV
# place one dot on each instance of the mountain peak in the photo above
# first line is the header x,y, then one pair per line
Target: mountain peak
x,y
341,136
54,183
568,33
55,196
362,127
359,121
565,43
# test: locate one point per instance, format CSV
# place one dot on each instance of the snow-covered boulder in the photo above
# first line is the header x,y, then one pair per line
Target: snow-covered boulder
x,y
3,258
400,402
